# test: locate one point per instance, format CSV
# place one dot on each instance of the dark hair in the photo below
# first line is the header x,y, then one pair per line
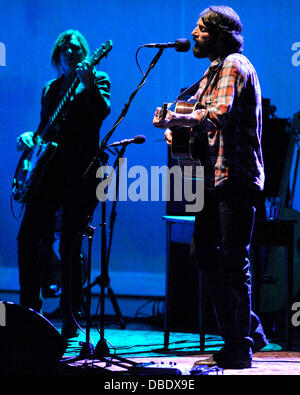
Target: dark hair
x,y
62,39
225,26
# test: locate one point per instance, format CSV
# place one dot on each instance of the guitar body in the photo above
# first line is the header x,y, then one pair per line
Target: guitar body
x,y
33,162
183,141
30,170
183,145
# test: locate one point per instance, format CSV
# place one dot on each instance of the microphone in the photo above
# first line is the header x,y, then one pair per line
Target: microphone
x,y
140,139
181,45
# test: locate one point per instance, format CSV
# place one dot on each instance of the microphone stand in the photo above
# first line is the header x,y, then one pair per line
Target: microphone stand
x,y
295,170
101,351
104,281
87,347
104,142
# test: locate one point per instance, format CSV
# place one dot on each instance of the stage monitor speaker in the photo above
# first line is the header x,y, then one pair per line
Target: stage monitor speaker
x,y
29,343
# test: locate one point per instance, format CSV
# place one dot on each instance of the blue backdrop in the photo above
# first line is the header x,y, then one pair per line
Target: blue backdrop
x,y
28,29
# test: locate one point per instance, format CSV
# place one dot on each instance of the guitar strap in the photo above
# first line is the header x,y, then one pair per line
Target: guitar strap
x,y
202,140
193,88
190,90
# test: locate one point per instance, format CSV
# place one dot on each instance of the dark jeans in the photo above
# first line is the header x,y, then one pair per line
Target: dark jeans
x,y
77,203
220,248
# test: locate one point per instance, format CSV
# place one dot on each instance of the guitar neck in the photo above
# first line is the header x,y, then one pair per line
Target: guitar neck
x,y
93,60
64,100
53,118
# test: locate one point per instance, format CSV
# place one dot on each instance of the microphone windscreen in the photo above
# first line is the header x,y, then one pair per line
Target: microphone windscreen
x,y
140,139
183,45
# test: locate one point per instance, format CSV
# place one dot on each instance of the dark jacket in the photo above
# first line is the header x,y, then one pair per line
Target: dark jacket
x,y
77,130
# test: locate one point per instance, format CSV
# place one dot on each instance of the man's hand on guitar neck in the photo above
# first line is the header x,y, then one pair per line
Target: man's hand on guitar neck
x,y
26,141
173,119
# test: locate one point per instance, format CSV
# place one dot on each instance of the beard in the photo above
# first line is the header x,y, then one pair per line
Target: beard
x,y
203,49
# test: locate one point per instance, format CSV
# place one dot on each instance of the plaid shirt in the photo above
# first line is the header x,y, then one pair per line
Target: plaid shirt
x,y
231,115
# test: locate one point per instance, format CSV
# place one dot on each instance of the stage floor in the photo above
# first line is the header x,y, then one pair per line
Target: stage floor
x,y
140,343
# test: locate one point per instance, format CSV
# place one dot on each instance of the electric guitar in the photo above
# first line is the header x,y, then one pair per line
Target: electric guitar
x,y
34,161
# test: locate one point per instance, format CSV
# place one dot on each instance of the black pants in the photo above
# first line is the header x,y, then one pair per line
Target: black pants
x,y
220,248
77,202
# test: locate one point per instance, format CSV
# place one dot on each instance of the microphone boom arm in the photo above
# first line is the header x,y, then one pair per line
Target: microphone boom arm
x,y
123,113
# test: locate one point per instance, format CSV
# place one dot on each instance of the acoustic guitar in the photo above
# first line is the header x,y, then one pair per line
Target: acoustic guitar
x,y
183,145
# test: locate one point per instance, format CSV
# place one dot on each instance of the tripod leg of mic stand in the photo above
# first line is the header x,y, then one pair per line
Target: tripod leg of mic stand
x,y
116,306
113,299
102,349
87,348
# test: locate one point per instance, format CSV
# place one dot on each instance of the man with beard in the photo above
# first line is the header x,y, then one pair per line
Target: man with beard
x,y
227,126
63,188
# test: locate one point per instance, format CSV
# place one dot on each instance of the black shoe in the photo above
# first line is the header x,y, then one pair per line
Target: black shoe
x,y
259,343
232,360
